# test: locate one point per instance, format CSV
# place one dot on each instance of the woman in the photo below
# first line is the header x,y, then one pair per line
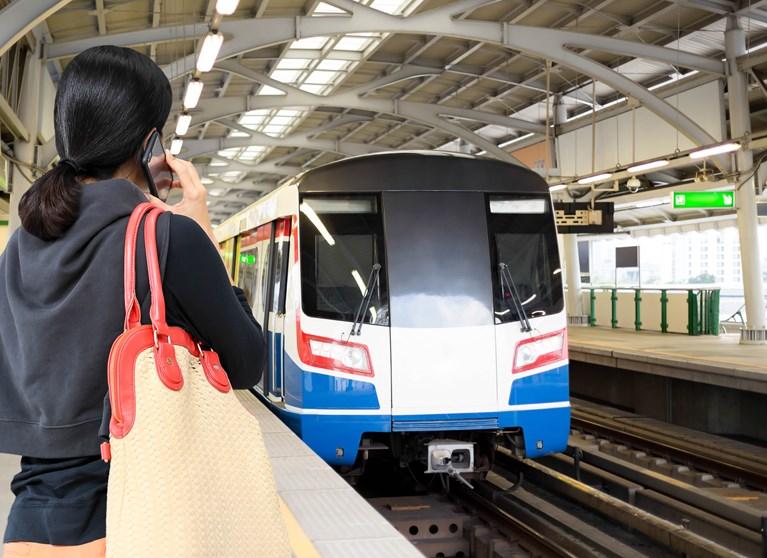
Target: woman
x,y
61,297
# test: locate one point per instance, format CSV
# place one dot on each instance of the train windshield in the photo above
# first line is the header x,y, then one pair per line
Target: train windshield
x,y
523,237
341,241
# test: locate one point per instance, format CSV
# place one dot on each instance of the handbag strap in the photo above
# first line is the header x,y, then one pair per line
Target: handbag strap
x,y
164,351
132,306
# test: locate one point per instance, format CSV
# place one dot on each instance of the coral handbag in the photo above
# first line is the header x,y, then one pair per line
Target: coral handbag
x,y
190,476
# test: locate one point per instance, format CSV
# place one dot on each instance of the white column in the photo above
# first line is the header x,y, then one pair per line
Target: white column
x,y
29,113
745,198
573,278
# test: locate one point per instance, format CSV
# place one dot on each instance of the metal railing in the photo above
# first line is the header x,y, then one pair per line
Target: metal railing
x,y
702,308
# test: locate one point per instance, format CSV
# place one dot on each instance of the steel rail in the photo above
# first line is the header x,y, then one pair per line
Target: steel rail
x,y
676,450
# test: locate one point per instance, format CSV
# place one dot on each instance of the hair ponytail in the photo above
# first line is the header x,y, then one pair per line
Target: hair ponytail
x,y
52,203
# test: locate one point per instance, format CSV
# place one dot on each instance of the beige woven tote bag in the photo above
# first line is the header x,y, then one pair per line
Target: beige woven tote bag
x,y
190,476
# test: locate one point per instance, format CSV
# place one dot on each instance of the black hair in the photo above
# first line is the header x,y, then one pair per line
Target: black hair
x,y
108,101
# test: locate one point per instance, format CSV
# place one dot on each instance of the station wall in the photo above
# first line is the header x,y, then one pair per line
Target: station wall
x,y
3,236
644,132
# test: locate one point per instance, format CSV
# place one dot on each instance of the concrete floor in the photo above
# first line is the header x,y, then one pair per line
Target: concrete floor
x,y
9,466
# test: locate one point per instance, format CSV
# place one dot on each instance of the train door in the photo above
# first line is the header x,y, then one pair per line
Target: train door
x,y
442,338
278,272
253,272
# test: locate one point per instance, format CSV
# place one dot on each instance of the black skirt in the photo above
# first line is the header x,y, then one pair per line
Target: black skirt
x,y
59,501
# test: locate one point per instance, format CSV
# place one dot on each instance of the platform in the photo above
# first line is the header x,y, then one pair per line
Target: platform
x,y
325,516
709,383
718,360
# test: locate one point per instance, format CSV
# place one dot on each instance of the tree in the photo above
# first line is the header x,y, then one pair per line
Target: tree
x,y
702,278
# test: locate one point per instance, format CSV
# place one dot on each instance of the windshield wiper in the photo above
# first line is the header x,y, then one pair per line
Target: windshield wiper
x,y
359,315
505,275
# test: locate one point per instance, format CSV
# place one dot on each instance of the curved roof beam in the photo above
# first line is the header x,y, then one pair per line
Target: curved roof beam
x,y
253,33
265,168
196,148
432,115
20,17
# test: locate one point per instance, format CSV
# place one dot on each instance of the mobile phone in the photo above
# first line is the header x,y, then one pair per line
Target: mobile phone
x,y
159,176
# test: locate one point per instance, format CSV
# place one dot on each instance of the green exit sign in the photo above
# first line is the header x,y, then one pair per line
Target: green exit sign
x,y
705,200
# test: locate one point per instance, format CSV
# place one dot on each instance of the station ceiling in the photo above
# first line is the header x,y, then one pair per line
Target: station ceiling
x,y
273,143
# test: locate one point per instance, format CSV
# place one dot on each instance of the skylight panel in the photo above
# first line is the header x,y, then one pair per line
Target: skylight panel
x,y
351,42
323,8
317,89
215,163
274,130
286,76
230,153
282,120
269,90
389,6
292,63
333,65
309,43
238,134
289,112
322,77
231,177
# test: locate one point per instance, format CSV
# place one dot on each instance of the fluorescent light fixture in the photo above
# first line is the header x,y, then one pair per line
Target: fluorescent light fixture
x,y
715,150
193,92
209,51
205,180
650,203
182,126
176,145
557,187
360,283
518,207
596,178
648,166
307,210
226,7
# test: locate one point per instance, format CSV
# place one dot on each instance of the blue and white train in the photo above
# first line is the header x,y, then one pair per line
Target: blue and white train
x,y
412,303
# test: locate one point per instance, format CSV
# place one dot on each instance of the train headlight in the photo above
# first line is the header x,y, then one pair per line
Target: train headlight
x,y
540,350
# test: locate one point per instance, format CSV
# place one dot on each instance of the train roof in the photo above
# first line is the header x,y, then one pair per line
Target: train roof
x,y
420,170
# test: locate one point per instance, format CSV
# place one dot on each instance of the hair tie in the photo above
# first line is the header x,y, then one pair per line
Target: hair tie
x,y
71,164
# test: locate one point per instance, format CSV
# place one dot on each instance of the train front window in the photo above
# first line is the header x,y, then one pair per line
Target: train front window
x,y
341,241
524,240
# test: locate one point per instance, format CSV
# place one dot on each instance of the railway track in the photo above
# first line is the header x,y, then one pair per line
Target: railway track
x,y
627,487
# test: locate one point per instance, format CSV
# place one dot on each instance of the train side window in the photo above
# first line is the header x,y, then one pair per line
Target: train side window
x,y
281,258
253,268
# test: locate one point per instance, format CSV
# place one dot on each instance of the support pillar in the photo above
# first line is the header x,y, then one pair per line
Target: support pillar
x,y
755,330
29,113
575,315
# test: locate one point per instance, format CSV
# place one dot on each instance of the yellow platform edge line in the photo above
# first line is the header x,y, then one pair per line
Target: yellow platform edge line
x,y
300,544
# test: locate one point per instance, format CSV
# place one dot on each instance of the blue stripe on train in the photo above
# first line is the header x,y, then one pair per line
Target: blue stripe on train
x,y
546,387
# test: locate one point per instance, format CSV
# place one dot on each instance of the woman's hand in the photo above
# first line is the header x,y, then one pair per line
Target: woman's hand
x,y
193,203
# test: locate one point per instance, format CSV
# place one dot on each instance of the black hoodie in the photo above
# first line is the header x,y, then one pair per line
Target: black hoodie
x,y
61,309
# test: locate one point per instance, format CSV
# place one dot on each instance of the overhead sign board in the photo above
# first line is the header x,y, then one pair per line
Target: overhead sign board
x,y
580,217
702,200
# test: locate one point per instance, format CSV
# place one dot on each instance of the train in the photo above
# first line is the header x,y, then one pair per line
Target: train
x,y
412,304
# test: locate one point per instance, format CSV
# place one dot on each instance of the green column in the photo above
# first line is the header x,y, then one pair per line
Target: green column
x,y
592,308
664,311
693,327
614,308
637,309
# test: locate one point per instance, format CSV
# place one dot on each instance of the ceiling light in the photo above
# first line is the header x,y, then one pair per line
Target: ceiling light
x,y
557,187
175,146
226,7
715,150
193,92
596,178
648,166
182,126
209,51
205,180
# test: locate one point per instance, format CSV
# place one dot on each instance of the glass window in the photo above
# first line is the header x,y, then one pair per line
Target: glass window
x,y
341,241
253,269
523,237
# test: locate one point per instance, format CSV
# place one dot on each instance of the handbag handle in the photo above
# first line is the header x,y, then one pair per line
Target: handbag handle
x,y
164,351
132,306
